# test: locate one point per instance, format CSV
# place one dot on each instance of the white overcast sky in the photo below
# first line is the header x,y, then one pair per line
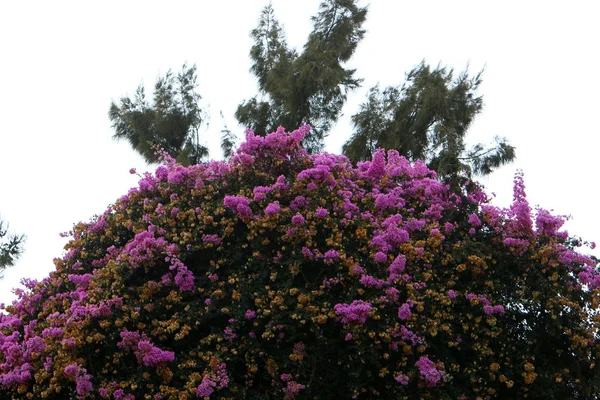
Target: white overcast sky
x,y
62,62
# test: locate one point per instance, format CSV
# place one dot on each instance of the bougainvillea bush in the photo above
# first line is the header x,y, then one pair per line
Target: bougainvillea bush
x,y
279,275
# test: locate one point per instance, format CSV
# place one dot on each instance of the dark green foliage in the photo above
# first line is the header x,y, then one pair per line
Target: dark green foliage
x,y
171,122
11,246
228,139
306,88
427,119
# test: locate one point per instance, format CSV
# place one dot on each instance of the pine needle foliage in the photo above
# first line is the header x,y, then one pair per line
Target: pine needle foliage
x,y
171,122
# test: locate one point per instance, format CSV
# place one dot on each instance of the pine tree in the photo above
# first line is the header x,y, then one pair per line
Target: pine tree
x,y
308,87
172,122
11,246
427,119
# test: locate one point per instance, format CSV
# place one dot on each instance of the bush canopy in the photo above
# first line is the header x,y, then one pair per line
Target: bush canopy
x,y
282,275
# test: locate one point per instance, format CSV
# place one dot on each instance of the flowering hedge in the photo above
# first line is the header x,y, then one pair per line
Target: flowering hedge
x,y
279,275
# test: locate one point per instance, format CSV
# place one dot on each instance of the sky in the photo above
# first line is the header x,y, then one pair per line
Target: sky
x,y
63,62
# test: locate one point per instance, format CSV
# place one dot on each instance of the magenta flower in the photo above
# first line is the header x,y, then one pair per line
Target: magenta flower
x,y
448,227
357,269
298,220
377,166
55,333
404,312
321,212
380,257
272,208
292,389
211,238
306,252
429,371
397,267
184,279
331,254
286,377
474,220
371,281
206,388
71,370
402,379
239,205
357,311
83,384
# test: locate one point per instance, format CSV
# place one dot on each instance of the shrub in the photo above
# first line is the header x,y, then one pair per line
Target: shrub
x,y
279,275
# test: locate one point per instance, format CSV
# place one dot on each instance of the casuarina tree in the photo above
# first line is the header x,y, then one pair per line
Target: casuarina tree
x,y
11,246
427,119
309,87
282,275
170,122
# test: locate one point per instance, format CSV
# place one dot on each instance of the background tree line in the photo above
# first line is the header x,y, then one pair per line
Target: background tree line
x,y
11,246
426,117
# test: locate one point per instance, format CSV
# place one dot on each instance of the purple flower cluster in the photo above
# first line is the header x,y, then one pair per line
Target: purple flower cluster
x,y
321,212
404,311
272,208
298,220
402,379
428,370
292,390
239,205
146,353
216,378
474,220
83,384
357,311
211,238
